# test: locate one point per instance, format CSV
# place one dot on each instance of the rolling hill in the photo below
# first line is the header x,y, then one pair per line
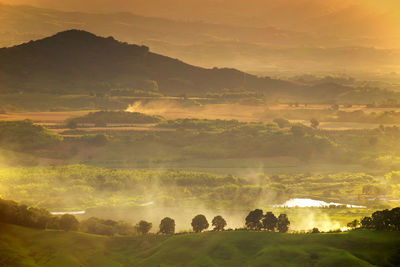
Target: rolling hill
x,y
21,246
76,62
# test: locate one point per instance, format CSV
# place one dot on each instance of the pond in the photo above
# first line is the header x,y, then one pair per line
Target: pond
x,y
78,212
307,202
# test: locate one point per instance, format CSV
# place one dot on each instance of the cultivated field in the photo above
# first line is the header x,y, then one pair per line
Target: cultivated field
x,y
170,109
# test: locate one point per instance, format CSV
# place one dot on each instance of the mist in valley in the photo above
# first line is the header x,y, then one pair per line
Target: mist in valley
x,y
199,133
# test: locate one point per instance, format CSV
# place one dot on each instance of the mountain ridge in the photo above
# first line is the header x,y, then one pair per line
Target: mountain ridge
x,y
268,49
76,61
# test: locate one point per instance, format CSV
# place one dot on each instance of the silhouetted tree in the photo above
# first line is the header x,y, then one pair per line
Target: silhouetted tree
x,y
143,227
395,218
253,219
98,226
68,222
23,216
219,223
314,123
366,223
282,122
269,221
11,212
199,223
167,226
283,223
353,224
39,217
383,220
380,219
315,230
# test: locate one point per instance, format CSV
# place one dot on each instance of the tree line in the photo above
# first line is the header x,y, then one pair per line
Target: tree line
x,y
381,220
13,213
256,220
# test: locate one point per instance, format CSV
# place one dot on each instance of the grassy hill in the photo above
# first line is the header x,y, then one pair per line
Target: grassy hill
x,y
27,247
25,136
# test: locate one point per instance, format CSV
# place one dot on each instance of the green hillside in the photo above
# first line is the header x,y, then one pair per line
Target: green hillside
x,y
27,247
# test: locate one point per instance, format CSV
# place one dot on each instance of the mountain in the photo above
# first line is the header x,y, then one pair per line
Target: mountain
x,y
318,39
20,22
76,61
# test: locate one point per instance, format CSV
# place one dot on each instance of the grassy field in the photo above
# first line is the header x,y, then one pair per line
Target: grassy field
x,y
27,247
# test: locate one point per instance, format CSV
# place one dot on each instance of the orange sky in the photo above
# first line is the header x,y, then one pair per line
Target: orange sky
x,y
156,6
367,18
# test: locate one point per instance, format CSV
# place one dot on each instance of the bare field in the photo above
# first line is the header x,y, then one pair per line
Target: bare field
x,y
120,128
170,109
45,117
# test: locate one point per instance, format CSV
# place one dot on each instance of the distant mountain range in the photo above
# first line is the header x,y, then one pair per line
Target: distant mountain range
x,y
17,23
281,50
76,61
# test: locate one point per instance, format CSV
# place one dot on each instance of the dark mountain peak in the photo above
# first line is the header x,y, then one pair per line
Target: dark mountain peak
x,y
77,61
78,45
73,37
76,34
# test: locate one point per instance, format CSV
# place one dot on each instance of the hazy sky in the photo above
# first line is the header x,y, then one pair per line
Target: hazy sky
x,y
344,18
201,8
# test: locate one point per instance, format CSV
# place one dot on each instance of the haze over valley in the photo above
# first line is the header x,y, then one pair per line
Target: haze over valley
x,y
199,133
